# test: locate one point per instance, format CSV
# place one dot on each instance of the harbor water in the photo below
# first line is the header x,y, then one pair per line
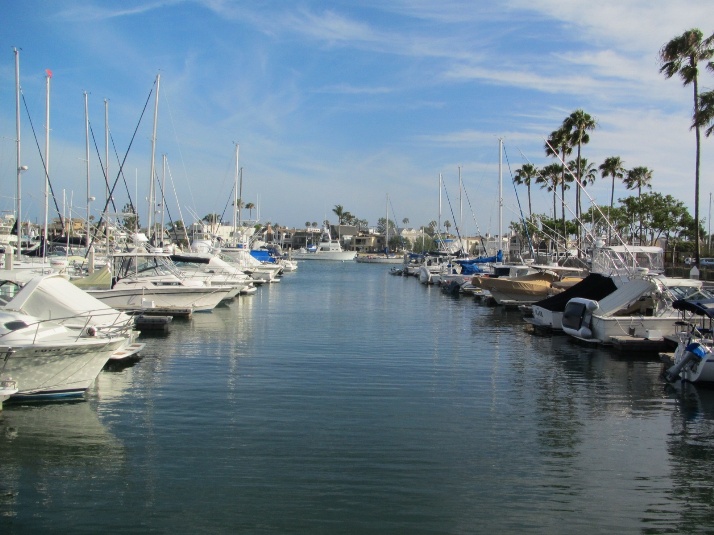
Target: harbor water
x,y
347,400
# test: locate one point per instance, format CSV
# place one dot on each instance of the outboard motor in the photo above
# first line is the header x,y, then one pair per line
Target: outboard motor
x,y
693,353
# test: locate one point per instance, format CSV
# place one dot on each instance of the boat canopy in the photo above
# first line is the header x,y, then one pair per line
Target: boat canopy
x,y
594,286
701,307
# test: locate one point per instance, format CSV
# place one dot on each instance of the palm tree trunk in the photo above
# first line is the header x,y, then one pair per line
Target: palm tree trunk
x,y
696,172
612,204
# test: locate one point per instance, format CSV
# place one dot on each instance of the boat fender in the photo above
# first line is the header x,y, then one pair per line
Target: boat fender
x,y
694,352
91,331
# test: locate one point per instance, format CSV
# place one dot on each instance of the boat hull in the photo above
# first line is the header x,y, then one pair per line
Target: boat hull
x,y
195,298
50,370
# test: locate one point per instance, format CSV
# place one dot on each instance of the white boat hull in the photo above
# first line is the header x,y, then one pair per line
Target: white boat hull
x,y
56,370
196,298
340,256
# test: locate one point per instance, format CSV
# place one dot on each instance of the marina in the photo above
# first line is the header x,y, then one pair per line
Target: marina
x,y
349,400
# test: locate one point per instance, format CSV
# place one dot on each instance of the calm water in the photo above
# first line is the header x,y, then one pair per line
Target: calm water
x,y
346,400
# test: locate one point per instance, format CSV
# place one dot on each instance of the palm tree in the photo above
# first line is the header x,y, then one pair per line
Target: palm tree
x,y
558,145
706,112
339,212
587,173
249,206
578,124
405,221
549,178
527,175
613,167
447,224
682,56
638,178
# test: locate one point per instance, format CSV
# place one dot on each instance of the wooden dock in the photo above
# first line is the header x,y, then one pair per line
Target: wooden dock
x,y
636,344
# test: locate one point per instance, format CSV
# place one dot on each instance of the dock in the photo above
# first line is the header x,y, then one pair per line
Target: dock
x,y
150,322
636,344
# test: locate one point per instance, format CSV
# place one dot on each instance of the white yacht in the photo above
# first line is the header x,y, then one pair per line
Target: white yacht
x,y
141,279
327,249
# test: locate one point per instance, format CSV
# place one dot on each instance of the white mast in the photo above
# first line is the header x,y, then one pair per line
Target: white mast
x,y
106,150
20,167
461,210
150,218
386,222
86,154
500,193
47,163
236,198
163,197
439,228
106,171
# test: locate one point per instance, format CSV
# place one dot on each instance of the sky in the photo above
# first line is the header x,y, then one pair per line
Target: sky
x,y
341,103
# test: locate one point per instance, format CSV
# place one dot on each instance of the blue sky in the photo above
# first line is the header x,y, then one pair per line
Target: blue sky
x,y
341,103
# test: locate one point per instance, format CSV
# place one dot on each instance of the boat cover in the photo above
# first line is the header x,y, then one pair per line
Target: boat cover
x,y
594,286
701,307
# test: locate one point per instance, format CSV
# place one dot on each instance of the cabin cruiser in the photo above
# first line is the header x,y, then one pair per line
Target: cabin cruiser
x,y
141,279
640,307
54,338
327,249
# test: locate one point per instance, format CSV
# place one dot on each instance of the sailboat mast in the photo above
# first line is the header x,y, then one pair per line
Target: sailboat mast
x,y
47,161
236,198
106,172
461,209
106,150
386,222
439,228
500,193
86,155
18,220
152,201
163,197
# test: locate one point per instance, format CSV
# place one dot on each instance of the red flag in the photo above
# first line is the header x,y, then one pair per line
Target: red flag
x,y
49,73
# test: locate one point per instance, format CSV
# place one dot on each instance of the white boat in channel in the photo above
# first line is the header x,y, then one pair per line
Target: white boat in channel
x,y
141,279
327,249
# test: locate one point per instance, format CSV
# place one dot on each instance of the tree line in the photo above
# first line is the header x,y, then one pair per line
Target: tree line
x,y
642,219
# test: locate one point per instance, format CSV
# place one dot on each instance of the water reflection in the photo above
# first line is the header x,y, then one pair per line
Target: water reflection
x,y
49,455
691,449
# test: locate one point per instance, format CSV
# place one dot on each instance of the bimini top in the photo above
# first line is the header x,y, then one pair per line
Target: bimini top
x,y
701,307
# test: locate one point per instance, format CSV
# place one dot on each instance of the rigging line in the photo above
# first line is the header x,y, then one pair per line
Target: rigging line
x,y
228,202
401,238
103,166
183,161
478,230
44,165
592,201
163,203
121,166
456,227
173,186
518,199
121,173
